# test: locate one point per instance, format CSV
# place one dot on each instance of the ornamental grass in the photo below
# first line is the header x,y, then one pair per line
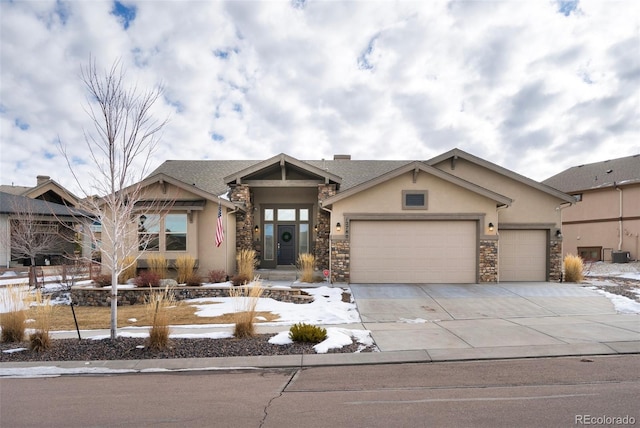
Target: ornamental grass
x,y
245,300
40,339
306,265
246,260
157,308
14,299
573,268
184,266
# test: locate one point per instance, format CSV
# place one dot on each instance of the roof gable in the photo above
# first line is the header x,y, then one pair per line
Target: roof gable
x,y
416,167
454,154
281,168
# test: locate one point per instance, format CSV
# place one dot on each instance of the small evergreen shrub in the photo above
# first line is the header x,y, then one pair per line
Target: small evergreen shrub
x,y
184,266
147,279
216,276
303,332
573,268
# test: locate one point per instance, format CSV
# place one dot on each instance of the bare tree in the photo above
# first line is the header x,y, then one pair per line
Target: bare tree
x,y
33,232
121,143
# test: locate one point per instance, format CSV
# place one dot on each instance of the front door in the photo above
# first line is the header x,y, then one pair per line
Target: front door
x,y
286,244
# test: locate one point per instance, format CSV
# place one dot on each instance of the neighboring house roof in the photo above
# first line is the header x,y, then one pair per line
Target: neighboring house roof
x,y
16,204
44,185
457,153
598,175
415,167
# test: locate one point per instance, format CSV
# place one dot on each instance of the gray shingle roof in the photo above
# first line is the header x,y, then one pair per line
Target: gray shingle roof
x,y
597,175
15,204
209,175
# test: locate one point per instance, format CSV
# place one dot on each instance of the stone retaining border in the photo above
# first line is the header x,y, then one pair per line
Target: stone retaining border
x,y
93,296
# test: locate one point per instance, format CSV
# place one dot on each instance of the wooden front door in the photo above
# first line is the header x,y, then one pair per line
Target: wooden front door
x,y
286,244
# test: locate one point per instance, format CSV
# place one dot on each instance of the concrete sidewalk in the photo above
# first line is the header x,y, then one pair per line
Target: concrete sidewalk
x,y
428,323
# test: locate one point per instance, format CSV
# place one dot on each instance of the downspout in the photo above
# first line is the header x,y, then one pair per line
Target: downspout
x,y
498,235
619,219
330,216
561,207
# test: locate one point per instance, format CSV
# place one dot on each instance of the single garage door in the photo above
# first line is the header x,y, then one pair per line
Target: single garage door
x,y
413,251
522,255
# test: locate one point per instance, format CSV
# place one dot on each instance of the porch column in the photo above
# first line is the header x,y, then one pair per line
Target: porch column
x,y
241,194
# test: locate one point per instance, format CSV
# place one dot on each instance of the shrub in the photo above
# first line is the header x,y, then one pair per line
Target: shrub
x,y
246,263
216,276
129,264
158,264
14,299
103,280
184,265
302,332
157,307
239,280
573,268
193,280
245,301
40,339
306,264
147,279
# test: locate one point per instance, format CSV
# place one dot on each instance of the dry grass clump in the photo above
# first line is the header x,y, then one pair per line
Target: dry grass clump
x,y
15,299
157,307
129,271
184,266
306,264
40,339
573,268
158,265
245,302
246,260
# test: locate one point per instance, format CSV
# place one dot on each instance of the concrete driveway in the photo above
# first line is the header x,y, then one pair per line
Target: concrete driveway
x,y
494,320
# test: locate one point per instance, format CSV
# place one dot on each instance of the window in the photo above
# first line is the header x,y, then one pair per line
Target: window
x,y
414,200
149,232
175,227
268,242
304,238
286,214
173,237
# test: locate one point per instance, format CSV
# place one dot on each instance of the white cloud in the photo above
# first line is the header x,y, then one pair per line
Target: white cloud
x,y
529,85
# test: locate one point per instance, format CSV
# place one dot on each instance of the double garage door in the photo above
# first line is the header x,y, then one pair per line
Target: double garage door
x,y
413,251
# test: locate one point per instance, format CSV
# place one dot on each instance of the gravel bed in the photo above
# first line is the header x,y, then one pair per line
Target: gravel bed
x,y
126,348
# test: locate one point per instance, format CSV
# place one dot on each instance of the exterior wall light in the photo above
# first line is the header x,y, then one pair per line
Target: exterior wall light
x,y
256,229
338,226
558,234
315,227
490,227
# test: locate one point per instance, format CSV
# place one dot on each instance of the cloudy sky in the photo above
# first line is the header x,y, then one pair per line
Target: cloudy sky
x,y
535,86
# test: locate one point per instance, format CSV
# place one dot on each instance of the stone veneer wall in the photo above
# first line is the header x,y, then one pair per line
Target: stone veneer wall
x,y
89,296
488,260
323,221
555,260
340,261
241,194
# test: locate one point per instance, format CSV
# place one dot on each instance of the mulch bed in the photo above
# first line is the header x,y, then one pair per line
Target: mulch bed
x,y
126,348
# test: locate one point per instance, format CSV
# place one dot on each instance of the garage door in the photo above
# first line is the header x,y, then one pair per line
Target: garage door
x,y
523,255
413,251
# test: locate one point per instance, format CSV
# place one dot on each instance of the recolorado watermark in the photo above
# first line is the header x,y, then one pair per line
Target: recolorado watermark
x,y
604,420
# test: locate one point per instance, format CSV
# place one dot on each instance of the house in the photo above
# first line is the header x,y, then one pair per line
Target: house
x,y
455,218
604,224
45,189
37,217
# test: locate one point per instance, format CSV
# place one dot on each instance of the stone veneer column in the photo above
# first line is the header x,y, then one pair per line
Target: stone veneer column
x,y
323,221
555,260
488,260
340,261
241,194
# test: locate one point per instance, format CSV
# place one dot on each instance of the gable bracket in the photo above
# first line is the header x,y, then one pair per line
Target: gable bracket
x,y
453,161
415,174
283,170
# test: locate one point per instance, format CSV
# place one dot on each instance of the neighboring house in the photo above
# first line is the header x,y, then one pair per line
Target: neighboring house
x,y
604,224
453,219
44,217
45,189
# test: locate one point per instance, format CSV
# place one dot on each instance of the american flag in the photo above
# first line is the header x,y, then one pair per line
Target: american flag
x,y
219,229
